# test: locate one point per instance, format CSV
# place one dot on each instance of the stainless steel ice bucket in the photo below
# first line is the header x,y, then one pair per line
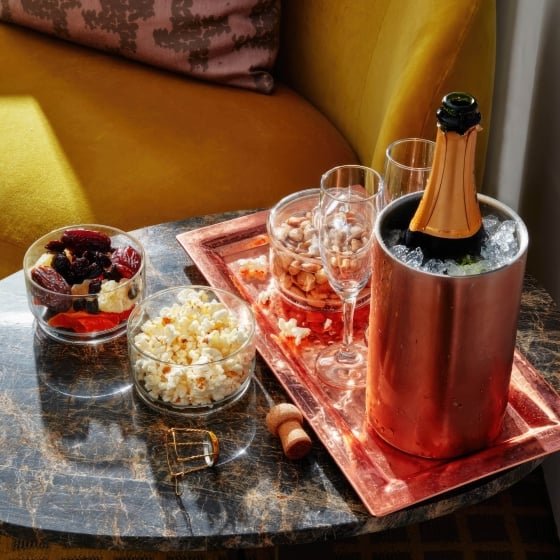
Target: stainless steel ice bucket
x,y
440,348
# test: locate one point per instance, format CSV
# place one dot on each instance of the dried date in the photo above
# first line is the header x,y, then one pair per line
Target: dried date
x,y
127,261
55,289
80,240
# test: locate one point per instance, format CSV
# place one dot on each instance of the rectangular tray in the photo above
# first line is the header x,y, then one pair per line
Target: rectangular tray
x,y
385,479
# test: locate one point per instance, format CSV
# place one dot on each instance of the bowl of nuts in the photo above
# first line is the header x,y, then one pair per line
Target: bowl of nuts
x,y
192,349
83,281
294,256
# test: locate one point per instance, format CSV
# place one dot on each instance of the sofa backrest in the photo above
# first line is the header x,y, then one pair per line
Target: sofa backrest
x,y
379,69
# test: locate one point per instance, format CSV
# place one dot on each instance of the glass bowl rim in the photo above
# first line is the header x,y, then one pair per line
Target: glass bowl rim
x,y
52,235
279,207
249,340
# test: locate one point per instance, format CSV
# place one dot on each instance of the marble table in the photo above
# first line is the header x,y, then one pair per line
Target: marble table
x,y
83,460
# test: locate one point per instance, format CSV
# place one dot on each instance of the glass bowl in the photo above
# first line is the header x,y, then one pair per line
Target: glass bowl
x,y
83,281
295,262
192,349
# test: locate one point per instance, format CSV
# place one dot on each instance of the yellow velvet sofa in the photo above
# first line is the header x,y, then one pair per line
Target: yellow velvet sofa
x,y
86,136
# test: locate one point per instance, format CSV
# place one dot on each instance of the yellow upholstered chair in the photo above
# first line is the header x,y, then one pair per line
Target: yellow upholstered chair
x,y
379,70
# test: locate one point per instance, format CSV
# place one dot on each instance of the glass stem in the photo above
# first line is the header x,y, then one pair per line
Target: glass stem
x,y
349,304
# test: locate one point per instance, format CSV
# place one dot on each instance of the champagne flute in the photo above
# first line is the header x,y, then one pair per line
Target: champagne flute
x,y
349,201
408,163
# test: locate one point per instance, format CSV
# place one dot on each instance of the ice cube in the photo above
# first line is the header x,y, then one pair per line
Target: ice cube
x,y
435,266
499,247
502,246
490,224
411,257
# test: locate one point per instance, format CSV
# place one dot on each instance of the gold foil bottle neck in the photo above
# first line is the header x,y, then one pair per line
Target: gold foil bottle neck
x,y
449,206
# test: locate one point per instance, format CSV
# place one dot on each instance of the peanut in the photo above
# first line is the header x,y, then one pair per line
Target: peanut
x,y
303,278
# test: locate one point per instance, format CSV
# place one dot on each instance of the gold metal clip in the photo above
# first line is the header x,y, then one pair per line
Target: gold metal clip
x,y
189,450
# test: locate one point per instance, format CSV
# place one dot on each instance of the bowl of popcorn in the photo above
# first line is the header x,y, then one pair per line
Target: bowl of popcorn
x,y
294,256
83,281
192,349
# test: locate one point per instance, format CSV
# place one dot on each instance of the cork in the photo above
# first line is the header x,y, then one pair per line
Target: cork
x,y
285,421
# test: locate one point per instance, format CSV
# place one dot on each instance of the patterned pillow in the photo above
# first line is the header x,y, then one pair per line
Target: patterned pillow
x,y
233,42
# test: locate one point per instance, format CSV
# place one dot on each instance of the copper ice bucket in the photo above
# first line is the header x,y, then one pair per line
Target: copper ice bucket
x,y
440,347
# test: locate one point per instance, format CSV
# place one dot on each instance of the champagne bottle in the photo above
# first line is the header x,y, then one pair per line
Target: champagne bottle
x,y
448,222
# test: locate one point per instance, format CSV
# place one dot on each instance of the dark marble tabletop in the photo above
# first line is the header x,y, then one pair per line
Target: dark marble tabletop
x,y
83,461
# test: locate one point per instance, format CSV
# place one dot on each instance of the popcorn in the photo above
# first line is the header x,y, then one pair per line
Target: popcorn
x,y
197,344
264,297
289,329
117,297
254,268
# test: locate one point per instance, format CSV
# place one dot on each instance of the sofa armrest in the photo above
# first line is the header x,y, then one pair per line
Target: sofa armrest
x,y
379,70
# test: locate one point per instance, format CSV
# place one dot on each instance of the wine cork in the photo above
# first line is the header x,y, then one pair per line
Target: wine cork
x,y
284,420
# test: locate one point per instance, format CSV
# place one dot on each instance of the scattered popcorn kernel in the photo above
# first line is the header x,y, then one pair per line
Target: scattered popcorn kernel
x,y
256,268
290,330
265,297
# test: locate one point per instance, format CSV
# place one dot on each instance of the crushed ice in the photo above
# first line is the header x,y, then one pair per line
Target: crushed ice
x,y
498,249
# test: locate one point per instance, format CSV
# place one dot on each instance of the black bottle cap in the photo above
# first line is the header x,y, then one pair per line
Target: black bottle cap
x,y
458,113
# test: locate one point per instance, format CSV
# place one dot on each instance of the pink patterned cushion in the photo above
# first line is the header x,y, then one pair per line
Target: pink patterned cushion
x,y
233,42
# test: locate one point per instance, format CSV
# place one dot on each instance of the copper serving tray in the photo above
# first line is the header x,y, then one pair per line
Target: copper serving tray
x,y
385,479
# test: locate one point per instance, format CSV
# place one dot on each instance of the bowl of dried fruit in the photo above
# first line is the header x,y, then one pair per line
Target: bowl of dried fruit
x,y
192,349
83,281
294,256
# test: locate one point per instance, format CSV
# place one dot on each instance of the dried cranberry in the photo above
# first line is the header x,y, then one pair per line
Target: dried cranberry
x,y
94,286
103,259
55,246
79,304
94,270
80,270
112,273
62,265
92,306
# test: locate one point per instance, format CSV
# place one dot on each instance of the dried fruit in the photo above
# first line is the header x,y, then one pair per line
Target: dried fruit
x,y
112,273
81,261
94,270
102,259
127,260
55,288
79,270
84,322
55,246
92,306
80,240
62,265
94,286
